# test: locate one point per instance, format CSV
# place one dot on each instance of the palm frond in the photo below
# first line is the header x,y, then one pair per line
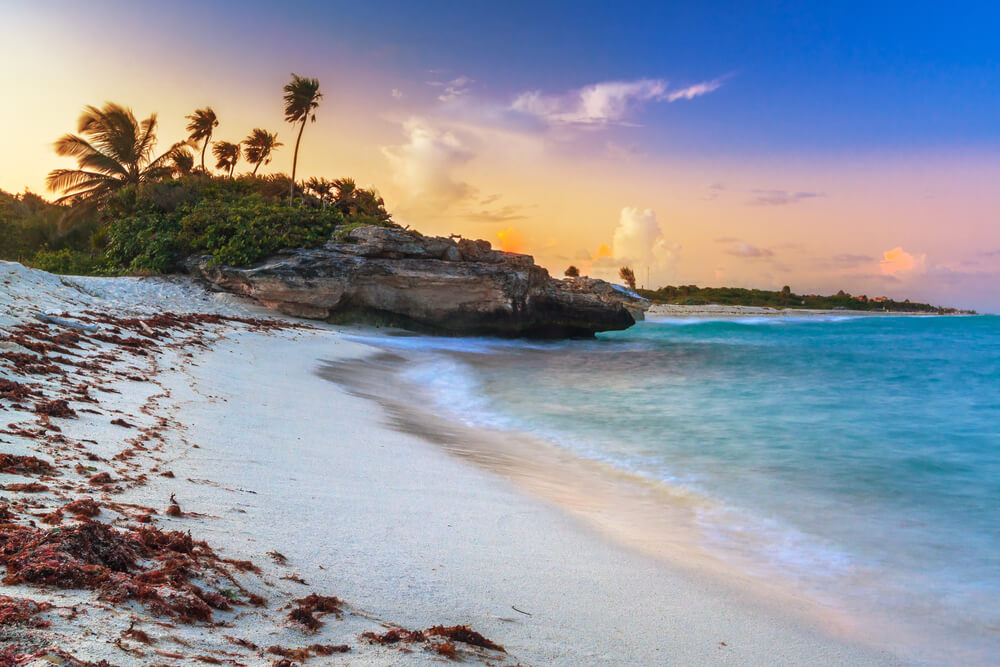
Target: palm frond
x,y
302,97
69,179
203,123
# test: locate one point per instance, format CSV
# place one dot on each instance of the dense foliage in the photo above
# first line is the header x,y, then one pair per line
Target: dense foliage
x,y
31,232
692,295
125,210
153,228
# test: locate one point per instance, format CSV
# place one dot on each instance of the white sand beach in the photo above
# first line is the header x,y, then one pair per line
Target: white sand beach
x,y
268,455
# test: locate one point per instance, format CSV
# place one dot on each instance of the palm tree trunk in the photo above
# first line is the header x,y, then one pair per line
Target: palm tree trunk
x,y
203,152
295,160
255,168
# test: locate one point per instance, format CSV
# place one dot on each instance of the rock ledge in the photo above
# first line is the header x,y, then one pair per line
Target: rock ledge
x,y
396,277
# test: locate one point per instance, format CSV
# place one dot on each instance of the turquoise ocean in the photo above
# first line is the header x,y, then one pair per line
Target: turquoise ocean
x,y
857,456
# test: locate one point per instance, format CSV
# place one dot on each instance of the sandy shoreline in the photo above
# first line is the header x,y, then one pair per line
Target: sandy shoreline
x,y
267,455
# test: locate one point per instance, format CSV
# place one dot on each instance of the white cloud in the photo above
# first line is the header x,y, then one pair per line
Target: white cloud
x,y
397,94
639,242
603,103
454,89
424,165
697,90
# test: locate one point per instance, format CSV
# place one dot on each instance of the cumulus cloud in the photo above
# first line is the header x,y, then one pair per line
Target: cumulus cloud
x,y
898,261
747,250
639,242
604,103
424,165
781,197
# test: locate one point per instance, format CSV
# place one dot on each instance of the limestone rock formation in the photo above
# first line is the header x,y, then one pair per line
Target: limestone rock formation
x,y
397,277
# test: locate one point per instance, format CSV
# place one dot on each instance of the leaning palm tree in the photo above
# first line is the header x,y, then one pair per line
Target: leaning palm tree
x,y
259,146
203,123
302,97
182,162
113,150
227,155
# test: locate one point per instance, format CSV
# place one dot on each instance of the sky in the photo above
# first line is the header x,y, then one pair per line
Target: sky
x,y
823,146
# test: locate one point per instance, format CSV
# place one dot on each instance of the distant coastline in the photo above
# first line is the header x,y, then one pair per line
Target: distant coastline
x,y
728,311
692,295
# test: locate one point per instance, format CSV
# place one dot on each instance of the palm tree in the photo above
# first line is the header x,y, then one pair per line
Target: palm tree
x,y
320,187
113,150
227,154
368,202
182,162
352,201
302,97
203,123
259,146
345,192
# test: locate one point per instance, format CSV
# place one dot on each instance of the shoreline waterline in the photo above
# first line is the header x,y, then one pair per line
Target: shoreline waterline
x,y
649,515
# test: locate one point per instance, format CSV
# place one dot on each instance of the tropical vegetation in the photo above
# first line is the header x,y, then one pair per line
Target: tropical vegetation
x,y
692,295
257,148
200,128
127,209
113,150
302,97
628,276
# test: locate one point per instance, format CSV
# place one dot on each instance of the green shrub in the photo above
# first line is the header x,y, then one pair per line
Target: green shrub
x,y
234,228
240,230
144,242
67,262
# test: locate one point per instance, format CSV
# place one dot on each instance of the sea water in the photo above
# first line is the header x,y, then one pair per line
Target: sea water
x,y
859,456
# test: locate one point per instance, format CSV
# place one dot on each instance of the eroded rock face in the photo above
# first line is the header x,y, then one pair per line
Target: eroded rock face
x,y
400,278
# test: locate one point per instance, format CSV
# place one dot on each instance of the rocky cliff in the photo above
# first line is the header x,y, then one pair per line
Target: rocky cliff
x,y
401,278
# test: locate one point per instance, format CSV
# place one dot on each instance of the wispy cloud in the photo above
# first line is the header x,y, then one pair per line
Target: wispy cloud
x,y
697,90
781,197
747,250
604,103
454,89
397,94
715,190
847,259
620,151
502,214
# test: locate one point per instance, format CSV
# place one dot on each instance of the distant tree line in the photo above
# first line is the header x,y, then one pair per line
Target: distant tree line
x,y
692,295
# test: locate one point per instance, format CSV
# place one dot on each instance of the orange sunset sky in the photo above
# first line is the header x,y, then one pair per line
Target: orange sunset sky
x,y
679,144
